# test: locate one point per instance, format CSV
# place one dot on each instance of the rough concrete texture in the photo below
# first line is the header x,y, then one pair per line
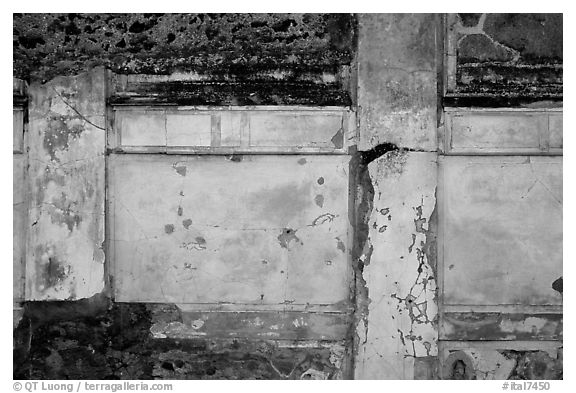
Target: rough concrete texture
x,y
399,268
492,364
477,364
397,95
97,339
274,52
65,255
509,54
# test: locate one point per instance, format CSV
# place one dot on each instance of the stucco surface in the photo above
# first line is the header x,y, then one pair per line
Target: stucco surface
x,y
67,139
399,269
208,229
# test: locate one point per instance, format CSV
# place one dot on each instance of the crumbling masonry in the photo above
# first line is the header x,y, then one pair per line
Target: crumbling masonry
x,y
287,196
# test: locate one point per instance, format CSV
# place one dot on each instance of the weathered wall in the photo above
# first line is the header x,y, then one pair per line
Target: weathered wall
x,y
386,266
500,198
399,330
96,339
397,95
66,177
507,55
396,293
271,301
264,230
19,206
256,59
515,205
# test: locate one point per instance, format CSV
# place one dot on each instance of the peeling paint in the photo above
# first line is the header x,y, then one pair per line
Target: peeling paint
x,y
287,236
338,139
180,169
400,321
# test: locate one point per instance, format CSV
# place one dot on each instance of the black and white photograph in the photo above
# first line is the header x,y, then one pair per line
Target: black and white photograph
x,y
286,196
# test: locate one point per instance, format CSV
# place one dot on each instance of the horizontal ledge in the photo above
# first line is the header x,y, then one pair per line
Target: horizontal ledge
x,y
514,153
518,345
499,326
279,108
250,308
495,100
503,308
224,151
468,110
503,65
277,342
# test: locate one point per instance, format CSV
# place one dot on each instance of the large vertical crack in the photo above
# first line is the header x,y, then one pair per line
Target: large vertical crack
x,y
361,206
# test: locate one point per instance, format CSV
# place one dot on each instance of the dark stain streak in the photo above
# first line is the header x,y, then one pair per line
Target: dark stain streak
x,y
52,273
319,200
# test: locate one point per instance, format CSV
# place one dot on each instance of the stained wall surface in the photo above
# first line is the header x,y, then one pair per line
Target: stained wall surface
x,y
288,197
66,180
507,55
265,230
